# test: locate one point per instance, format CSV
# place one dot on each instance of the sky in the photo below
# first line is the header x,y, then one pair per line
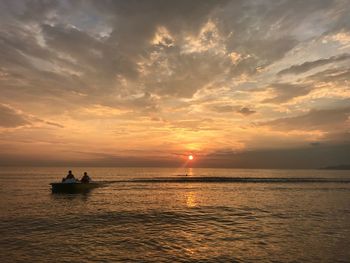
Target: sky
x,y
252,84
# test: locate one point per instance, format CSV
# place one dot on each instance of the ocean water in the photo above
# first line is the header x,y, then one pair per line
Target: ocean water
x,y
157,215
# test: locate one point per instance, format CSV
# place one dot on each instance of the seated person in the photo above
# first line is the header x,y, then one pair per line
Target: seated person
x,y
85,178
69,178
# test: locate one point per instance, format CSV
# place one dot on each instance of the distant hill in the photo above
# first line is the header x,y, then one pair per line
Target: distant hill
x,y
338,167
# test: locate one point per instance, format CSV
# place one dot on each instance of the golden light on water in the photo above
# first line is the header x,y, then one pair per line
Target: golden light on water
x,y
191,199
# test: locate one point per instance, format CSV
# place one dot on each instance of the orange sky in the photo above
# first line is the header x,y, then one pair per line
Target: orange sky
x,y
150,82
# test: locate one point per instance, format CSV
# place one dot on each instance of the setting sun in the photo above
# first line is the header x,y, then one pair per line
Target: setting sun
x,y
190,157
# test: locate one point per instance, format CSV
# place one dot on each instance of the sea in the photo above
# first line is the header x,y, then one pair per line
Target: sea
x,y
176,215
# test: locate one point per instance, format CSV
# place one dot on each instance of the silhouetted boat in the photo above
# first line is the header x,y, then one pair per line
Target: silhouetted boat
x,y
73,187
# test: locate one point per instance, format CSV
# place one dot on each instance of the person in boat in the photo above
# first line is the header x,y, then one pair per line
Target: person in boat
x,y
69,178
85,179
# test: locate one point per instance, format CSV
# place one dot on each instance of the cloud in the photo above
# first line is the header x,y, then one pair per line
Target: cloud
x,y
267,31
193,125
54,124
144,102
284,92
62,52
11,118
306,66
224,108
233,108
338,75
286,158
329,120
246,111
315,144
96,67
67,56
182,75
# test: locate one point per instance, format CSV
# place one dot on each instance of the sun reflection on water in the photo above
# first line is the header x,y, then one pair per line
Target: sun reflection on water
x,y
191,200
189,171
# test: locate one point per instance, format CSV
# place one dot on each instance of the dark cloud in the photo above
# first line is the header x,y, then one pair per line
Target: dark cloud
x,y
233,108
30,70
337,75
16,42
127,59
140,19
224,108
306,66
54,124
11,118
72,41
284,92
288,158
89,159
246,111
261,52
100,61
144,103
267,30
94,63
331,120
315,144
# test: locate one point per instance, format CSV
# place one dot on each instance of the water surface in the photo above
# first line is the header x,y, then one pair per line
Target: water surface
x,y
155,219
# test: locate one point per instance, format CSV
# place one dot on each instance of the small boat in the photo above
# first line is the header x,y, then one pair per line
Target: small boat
x,y
73,188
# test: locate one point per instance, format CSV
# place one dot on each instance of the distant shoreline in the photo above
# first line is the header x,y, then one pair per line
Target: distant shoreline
x,y
337,167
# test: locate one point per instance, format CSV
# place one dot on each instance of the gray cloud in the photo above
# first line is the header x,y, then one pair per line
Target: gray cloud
x,y
233,108
246,111
288,158
267,30
262,52
306,66
98,59
338,75
301,158
11,118
331,120
69,58
54,124
315,144
284,92
224,108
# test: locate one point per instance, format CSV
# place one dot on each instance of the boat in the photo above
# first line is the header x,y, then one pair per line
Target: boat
x,y
73,188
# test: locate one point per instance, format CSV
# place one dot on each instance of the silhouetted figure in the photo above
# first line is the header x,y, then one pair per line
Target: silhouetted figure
x,y
70,175
69,178
85,179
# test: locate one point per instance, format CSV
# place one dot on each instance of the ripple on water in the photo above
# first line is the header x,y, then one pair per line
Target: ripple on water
x,y
177,222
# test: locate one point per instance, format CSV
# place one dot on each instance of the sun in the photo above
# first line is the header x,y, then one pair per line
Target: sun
x,y
190,157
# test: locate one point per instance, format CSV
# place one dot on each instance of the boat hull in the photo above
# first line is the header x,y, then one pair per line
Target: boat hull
x,y
72,187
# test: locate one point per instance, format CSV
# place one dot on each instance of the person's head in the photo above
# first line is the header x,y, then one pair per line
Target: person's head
x,y
85,173
70,172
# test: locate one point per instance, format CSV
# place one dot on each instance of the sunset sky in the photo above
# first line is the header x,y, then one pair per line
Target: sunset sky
x,y
260,84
